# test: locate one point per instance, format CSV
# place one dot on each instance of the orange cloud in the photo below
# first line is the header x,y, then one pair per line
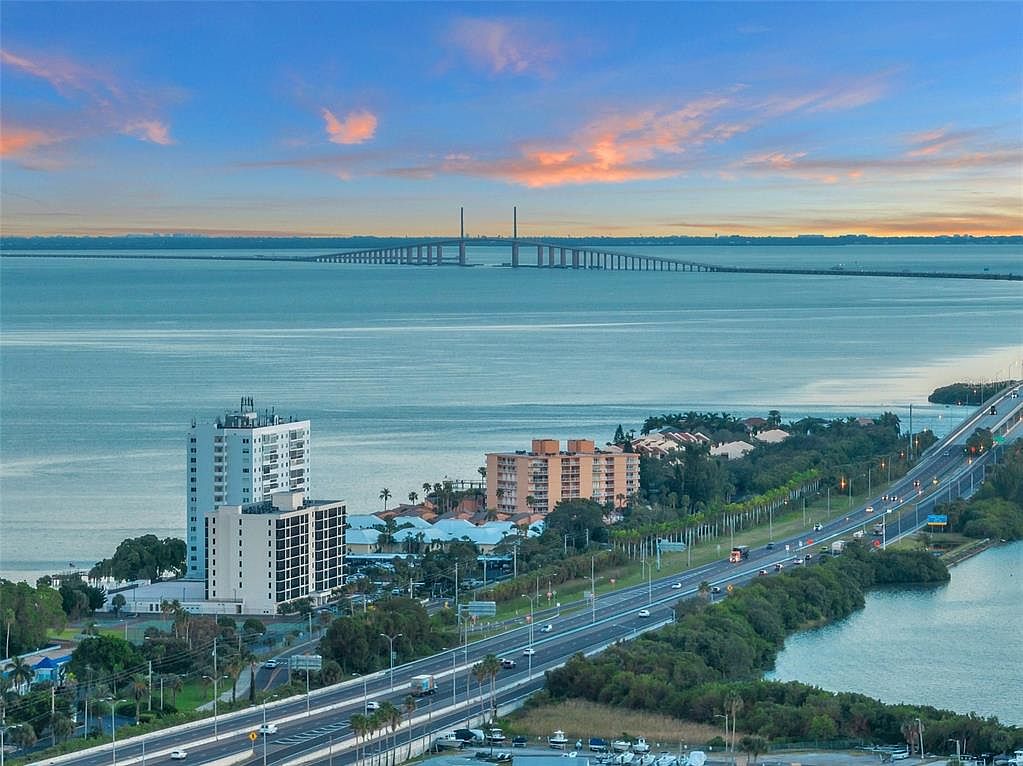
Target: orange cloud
x,y
153,131
15,141
502,46
357,127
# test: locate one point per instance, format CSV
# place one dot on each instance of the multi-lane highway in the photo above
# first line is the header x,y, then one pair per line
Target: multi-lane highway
x,y
319,721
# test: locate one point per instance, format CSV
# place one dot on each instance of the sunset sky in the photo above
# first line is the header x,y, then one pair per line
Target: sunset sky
x,y
606,118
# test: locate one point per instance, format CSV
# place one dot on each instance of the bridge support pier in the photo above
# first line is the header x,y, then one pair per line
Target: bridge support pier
x,y
515,255
419,255
440,254
562,259
539,256
550,257
575,259
461,252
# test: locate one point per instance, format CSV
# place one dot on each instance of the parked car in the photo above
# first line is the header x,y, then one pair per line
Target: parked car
x,y
519,741
178,755
268,728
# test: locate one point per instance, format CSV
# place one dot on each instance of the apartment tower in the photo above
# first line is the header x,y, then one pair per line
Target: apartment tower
x,y
243,457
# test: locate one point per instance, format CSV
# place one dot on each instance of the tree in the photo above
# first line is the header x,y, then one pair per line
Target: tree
x,y
360,728
118,602
413,497
385,495
753,745
409,706
22,735
139,689
61,727
20,673
143,558
492,666
253,626
8,621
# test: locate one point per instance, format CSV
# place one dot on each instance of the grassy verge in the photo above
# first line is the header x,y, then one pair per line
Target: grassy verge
x,y
580,719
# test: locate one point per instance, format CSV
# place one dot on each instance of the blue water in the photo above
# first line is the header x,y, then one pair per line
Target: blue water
x,y
411,374
958,646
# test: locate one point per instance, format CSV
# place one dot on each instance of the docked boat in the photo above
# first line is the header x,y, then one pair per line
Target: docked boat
x,y
621,745
597,745
502,758
696,758
624,759
647,759
495,736
666,759
558,740
640,746
449,741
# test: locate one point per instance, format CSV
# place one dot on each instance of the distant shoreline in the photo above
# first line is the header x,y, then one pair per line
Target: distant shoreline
x,y
191,242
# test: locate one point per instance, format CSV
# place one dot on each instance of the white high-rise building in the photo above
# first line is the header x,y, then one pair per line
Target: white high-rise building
x,y
243,457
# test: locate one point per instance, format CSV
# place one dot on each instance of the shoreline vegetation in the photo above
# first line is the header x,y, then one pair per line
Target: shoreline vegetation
x,y
968,394
186,241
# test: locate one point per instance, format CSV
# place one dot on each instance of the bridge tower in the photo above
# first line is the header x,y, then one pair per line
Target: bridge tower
x,y
461,236
515,237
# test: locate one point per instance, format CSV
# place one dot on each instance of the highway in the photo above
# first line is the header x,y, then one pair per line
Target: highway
x,y
311,723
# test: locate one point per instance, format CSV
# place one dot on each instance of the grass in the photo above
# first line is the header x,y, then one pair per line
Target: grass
x,y
581,719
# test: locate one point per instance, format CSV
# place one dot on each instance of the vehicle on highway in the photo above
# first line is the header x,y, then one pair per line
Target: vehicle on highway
x,y
507,664
547,628
739,553
644,613
762,573
807,557
676,586
268,728
372,706
797,562
778,567
422,686
818,527
992,411
869,509
178,755
271,664
858,534
528,651
715,589
770,546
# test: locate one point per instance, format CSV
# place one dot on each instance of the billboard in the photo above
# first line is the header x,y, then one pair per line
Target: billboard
x,y
937,520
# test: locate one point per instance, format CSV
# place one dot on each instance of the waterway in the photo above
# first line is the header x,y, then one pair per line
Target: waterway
x,y
411,374
957,646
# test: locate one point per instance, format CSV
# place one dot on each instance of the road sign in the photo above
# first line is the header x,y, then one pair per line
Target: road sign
x,y
253,736
730,588
937,520
482,608
305,662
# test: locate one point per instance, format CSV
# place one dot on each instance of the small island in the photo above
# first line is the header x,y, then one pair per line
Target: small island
x,y
967,394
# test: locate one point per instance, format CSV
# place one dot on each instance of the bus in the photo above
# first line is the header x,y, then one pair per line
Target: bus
x,y
739,553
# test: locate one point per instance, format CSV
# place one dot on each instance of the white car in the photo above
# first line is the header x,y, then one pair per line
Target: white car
x,y
268,728
644,613
271,664
528,651
676,586
870,509
372,706
547,628
178,755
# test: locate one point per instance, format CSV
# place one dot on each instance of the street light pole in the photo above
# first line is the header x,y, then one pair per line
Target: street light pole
x,y
529,656
390,644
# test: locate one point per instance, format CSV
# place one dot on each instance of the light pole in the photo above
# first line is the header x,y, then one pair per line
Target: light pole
x,y
113,729
920,735
215,679
725,716
959,753
529,656
390,644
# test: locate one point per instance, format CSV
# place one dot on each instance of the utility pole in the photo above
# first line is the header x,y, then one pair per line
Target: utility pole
x,y
593,592
150,686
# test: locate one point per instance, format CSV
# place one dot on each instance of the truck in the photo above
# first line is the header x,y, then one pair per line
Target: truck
x,y
739,553
423,686
837,547
878,529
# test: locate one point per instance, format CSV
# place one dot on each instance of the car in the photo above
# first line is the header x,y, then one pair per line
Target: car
x,y
770,546
762,573
519,740
507,664
715,589
372,706
1015,393
778,567
271,664
644,613
797,562
869,509
947,452
818,527
992,411
178,755
676,586
808,556
528,651
900,755
268,728
547,628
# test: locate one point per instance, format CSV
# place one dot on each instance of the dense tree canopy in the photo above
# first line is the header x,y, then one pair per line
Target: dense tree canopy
x,y
143,558
28,613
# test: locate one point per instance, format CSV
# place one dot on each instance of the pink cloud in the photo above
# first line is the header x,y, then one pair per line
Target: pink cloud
x,y
153,131
357,127
502,46
15,142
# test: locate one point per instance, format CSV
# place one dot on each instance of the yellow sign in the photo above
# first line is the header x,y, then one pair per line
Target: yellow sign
x,y
253,736
731,588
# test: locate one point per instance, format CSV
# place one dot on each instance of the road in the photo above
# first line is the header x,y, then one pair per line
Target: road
x,y
311,722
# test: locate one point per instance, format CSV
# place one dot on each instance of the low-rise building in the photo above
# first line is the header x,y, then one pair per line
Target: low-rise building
x,y
536,481
731,450
262,555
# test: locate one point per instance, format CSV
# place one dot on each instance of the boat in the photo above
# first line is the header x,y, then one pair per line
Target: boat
x,y
597,745
502,757
696,758
495,736
448,741
666,759
621,745
640,746
623,759
1017,758
647,759
558,740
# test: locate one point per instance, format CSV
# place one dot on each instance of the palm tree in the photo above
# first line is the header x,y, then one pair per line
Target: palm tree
x,y
8,621
385,495
360,728
492,666
479,672
412,497
23,735
139,689
704,589
20,673
391,717
409,705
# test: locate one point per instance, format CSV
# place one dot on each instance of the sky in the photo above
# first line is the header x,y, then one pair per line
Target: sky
x,y
611,119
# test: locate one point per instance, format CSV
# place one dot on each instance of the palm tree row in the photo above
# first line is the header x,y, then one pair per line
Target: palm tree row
x,y
385,718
